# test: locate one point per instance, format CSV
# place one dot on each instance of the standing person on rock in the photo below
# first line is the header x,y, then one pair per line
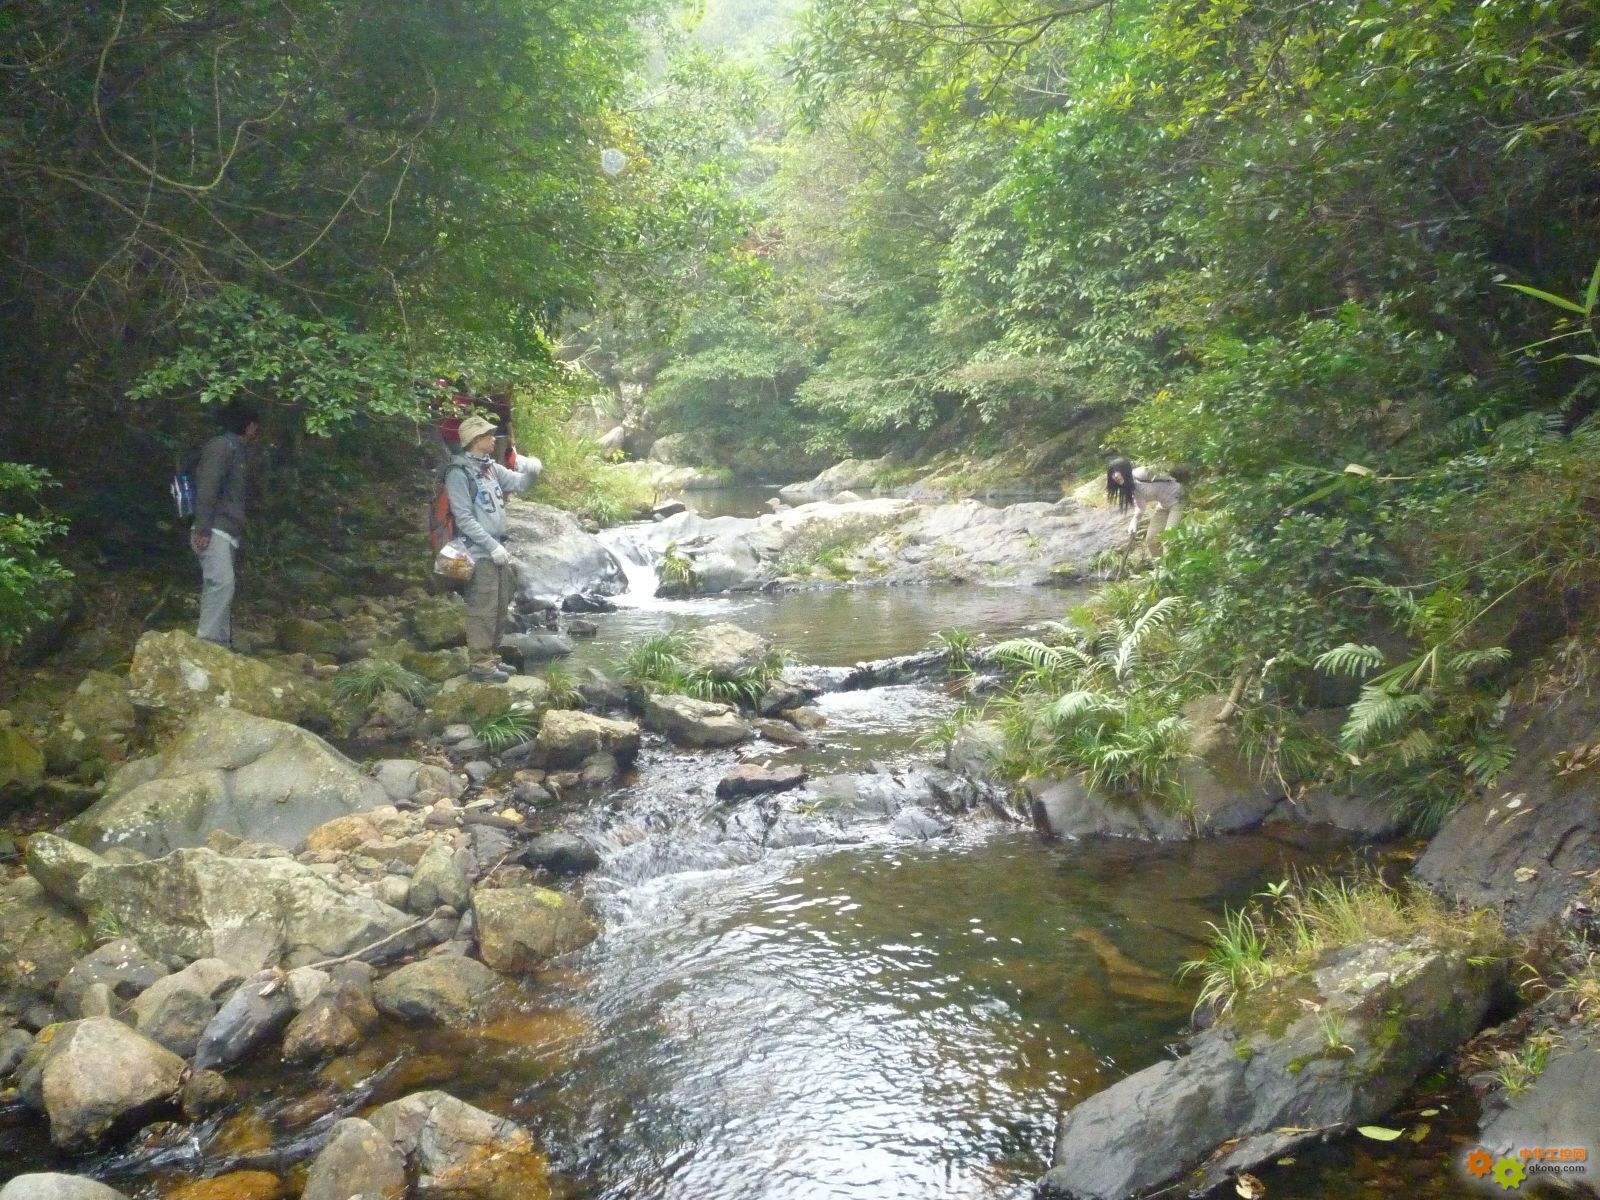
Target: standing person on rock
x,y
1152,496
477,495
219,508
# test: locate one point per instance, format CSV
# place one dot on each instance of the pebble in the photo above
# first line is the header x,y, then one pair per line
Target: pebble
x,y
477,770
468,745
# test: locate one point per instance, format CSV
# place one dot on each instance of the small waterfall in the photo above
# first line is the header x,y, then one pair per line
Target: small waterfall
x,y
638,565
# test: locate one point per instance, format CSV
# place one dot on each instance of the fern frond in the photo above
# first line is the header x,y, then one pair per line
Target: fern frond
x,y
1350,659
1377,713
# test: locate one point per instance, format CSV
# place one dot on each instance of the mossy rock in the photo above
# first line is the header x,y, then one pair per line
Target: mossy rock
x,y
175,675
439,622
96,728
21,763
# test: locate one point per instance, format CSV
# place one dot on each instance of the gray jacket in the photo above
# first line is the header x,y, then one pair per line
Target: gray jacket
x,y
478,499
219,486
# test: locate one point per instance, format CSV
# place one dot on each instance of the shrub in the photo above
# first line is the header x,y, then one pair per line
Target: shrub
x,y
27,572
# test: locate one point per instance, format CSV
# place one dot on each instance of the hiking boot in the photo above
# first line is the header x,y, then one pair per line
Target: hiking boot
x,y
488,672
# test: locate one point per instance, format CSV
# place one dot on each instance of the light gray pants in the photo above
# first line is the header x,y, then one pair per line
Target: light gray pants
x,y
216,590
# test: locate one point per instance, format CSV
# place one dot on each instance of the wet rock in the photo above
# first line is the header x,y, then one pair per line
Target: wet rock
x,y
532,792
333,1023
599,692
1530,848
205,1093
448,990
174,1011
14,1044
439,878
667,508
751,779
197,904
782,695
1070,808
256,778
780,732
872,795
792,829
975,749
1252,1089
556,559
691,722
520,929
302,635
43,938
598,770
1371,817
87,1076
402,778
49,1185
850,475
920,824
305,984
567,737
59,865
256,1012
457,1152
561,854
95,728
176,675
1557,1108
477,770
804,718
357,1161
121,965
530,649
439,622
724,651
579,627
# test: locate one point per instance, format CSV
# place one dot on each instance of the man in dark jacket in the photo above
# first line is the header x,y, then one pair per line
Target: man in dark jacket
x,y
219,504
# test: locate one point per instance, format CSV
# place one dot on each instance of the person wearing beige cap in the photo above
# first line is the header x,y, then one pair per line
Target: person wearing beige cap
x,y
477,495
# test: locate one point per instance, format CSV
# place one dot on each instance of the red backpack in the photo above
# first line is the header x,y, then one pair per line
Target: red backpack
x,y
441,521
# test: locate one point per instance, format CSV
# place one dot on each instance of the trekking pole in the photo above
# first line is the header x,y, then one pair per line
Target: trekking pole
x,y
1122,565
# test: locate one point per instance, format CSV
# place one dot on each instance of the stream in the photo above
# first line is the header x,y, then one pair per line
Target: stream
x,y
886,1020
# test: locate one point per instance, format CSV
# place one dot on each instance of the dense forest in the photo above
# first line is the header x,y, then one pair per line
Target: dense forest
x,y
1336,260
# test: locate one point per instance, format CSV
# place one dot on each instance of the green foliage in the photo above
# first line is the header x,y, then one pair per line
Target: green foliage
x,y
511,727
660,665
1296,921
564,691
363,682
1096,703
958,646
677,569
1432,719
238,345
28,573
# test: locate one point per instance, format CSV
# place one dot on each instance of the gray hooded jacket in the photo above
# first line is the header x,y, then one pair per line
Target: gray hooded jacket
x,y
477,494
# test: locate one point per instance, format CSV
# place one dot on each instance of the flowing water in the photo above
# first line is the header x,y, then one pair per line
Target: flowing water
x,y
881,1021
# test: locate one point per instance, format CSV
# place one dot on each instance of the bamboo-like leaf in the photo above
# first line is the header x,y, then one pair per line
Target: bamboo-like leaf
x,y
1548,298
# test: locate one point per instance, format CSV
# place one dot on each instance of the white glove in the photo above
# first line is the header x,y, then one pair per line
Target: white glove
x,y
500,556
1133,525
528,464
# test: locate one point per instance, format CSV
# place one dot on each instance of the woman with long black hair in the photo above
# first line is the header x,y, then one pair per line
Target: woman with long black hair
x,y
1151,495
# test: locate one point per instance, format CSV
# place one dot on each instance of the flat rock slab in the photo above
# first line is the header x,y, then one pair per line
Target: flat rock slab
x,y
752,780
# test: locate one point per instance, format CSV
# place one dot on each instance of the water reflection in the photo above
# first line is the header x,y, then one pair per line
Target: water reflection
x,y
884,1022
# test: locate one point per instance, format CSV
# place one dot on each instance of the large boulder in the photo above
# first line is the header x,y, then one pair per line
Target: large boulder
x,y
439,622
175,675
250,776
59,865
853,474
692,722
724,651
1071,808
50,1185
1224,794
333,1023
175,1010
88,1076
42,938
520,929
356,1161
249,911
1530,849
556,557
21,763
1337,1047
567,737
449,990
1557,1107
95,728
457,1152
753,779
